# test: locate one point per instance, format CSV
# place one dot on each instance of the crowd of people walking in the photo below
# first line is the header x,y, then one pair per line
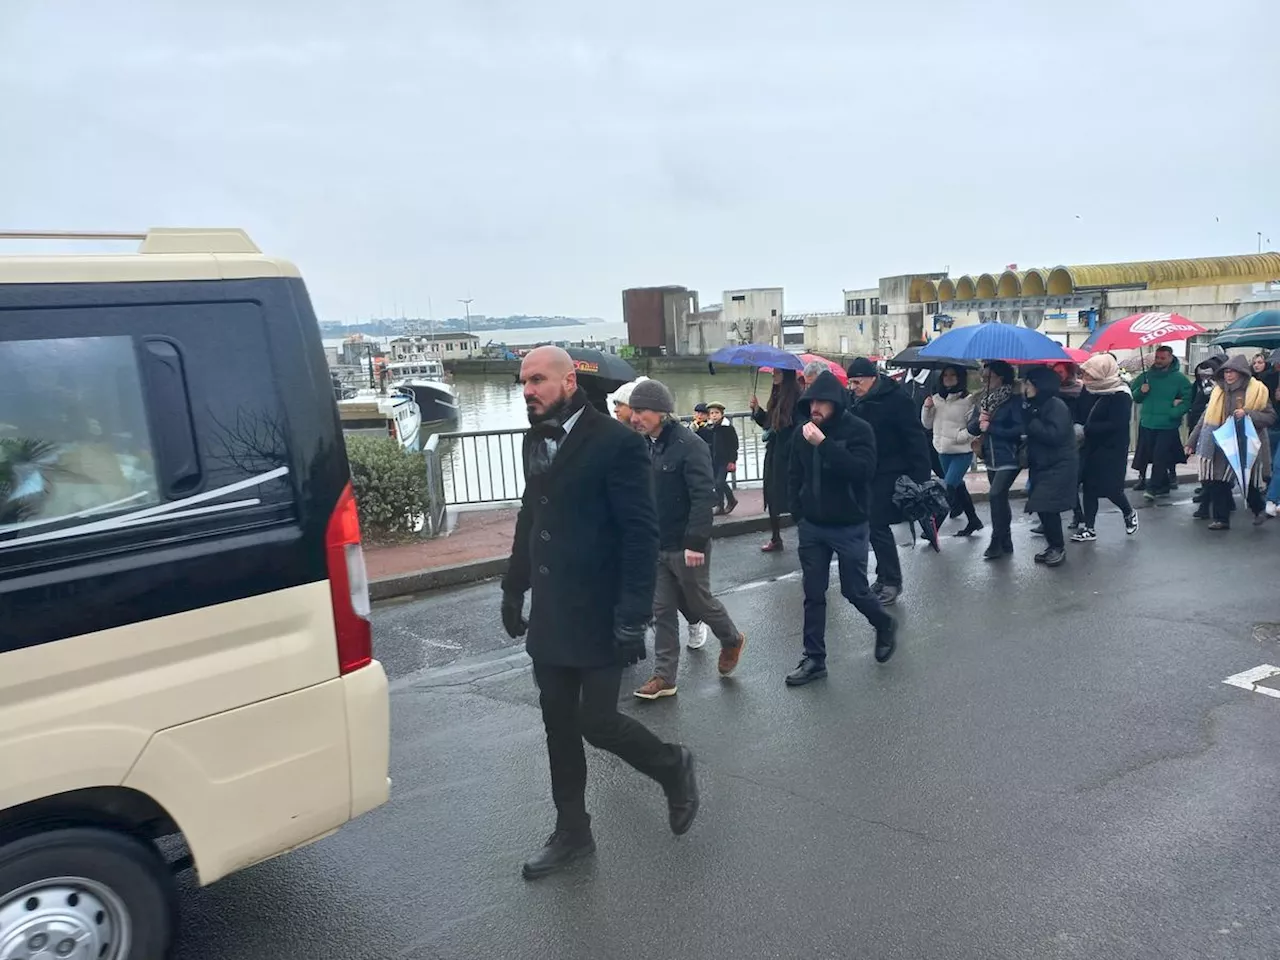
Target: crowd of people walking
x,y
614,530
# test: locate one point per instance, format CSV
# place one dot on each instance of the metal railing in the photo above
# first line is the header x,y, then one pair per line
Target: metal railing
x,y
486,466
437,504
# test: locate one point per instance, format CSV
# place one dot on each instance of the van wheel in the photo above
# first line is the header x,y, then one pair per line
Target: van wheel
x,y
84,894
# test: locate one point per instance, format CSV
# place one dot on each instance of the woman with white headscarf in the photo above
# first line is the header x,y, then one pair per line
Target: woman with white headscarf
x,y
1104,456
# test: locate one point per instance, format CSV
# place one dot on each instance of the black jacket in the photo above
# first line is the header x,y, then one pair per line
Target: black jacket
x,y
1202,391
723,441
1052,454
586,543
902,445
1104,457
684,488
777,461
830,484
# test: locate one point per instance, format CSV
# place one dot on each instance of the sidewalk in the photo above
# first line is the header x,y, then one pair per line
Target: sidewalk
x,y
479,541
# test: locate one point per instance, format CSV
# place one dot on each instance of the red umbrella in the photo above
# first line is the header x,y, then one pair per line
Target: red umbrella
x,y
1143,330
1077,356
808,358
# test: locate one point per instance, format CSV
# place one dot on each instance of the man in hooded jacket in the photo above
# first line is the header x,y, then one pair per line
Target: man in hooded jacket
x,y
829,484
902,449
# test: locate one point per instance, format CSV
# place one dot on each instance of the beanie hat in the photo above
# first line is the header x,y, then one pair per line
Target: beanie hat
x,y
862,367
652,395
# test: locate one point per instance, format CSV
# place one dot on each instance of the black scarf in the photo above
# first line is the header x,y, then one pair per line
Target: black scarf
x,y
550,427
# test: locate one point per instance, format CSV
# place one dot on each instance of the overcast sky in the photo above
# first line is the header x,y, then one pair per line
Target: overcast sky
x,y
541,155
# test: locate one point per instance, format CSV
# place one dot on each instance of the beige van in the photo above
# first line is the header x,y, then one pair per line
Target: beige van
x,y
185,645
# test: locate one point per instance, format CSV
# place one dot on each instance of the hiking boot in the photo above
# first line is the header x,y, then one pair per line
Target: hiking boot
x,y
682,798
1052,557
808,671
1131,523
886,641
563,848
1084,535
730,655
697,638
888,595
656,687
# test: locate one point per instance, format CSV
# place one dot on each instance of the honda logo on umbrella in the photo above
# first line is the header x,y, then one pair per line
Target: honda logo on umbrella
x,y
1156,326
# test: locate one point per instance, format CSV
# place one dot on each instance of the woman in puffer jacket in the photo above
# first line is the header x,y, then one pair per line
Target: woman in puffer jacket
x,y
946,414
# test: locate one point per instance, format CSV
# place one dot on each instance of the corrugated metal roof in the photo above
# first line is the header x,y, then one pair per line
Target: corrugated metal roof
x,y
1156,274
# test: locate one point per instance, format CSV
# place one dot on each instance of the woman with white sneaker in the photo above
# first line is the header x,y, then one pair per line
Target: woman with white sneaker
x,y
1104,457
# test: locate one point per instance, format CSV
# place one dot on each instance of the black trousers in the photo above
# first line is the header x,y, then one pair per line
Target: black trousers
x,y
1052,523
1091,507
582,705
724,492
1222,499
885,545
1001,482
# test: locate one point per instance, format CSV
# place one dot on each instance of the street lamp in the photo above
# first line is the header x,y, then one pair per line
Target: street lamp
x,y
467,303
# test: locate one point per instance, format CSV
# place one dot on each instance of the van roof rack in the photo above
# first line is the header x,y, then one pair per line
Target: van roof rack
x,y
155,240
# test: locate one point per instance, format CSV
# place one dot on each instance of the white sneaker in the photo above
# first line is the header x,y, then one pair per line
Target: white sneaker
x,y
1273,508
697,635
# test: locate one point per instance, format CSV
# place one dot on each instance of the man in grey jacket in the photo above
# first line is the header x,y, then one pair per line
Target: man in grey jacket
x,y
684,489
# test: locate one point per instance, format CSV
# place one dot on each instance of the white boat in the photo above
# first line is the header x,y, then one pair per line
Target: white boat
x,y
396,412
424,377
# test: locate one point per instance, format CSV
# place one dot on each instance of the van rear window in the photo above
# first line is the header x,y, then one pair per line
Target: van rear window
x,y
76,453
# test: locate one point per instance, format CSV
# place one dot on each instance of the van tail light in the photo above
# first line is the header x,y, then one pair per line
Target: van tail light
x,y
348,585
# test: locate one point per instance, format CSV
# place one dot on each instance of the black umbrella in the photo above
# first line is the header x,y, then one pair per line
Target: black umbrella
x,y
607,368
910,357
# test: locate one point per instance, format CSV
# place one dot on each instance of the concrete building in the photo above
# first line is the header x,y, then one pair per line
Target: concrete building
x,y
1068,303
657,318
706,331
754,315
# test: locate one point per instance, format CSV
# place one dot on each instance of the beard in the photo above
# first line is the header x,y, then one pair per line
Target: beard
x,y
552,412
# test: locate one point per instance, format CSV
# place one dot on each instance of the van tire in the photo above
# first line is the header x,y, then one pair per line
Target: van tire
x,y
130,869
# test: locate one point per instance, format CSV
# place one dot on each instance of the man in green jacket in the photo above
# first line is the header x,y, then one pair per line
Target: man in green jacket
x,y
1164,394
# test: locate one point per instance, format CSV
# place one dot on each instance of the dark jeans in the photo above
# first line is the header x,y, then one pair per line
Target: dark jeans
x,y
583,704
885,545
1001,482
724,492
681,587
1052,523
1091,507
849,545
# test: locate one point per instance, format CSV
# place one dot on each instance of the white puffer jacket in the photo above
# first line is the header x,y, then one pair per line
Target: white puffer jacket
x,y
948,418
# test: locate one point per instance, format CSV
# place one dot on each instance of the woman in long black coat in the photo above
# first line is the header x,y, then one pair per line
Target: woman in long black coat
x,y
1052,458
1104,458
778,422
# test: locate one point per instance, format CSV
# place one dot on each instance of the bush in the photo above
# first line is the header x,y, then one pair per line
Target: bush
x,y
390,484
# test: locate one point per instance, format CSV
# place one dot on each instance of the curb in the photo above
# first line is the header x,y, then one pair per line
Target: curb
x,y
424,581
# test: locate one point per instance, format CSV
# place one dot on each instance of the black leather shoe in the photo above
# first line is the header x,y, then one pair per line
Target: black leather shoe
x,y
562,849
994,551
886,642
807,672
682,799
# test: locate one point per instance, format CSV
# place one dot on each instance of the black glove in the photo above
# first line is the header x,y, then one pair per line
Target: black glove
x,y
628,643
513,615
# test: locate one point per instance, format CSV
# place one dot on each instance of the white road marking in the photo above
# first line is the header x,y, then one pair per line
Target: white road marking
x,y
1248,680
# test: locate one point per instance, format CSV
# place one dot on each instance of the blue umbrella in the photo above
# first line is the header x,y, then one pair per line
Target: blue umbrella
x,y
1260,329
994,341
757,355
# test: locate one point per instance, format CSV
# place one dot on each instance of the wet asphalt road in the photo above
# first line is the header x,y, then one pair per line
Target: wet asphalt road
x,y
1050,767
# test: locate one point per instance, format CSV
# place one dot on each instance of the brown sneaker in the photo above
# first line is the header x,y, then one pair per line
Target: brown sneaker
x,y
729,656
656,687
